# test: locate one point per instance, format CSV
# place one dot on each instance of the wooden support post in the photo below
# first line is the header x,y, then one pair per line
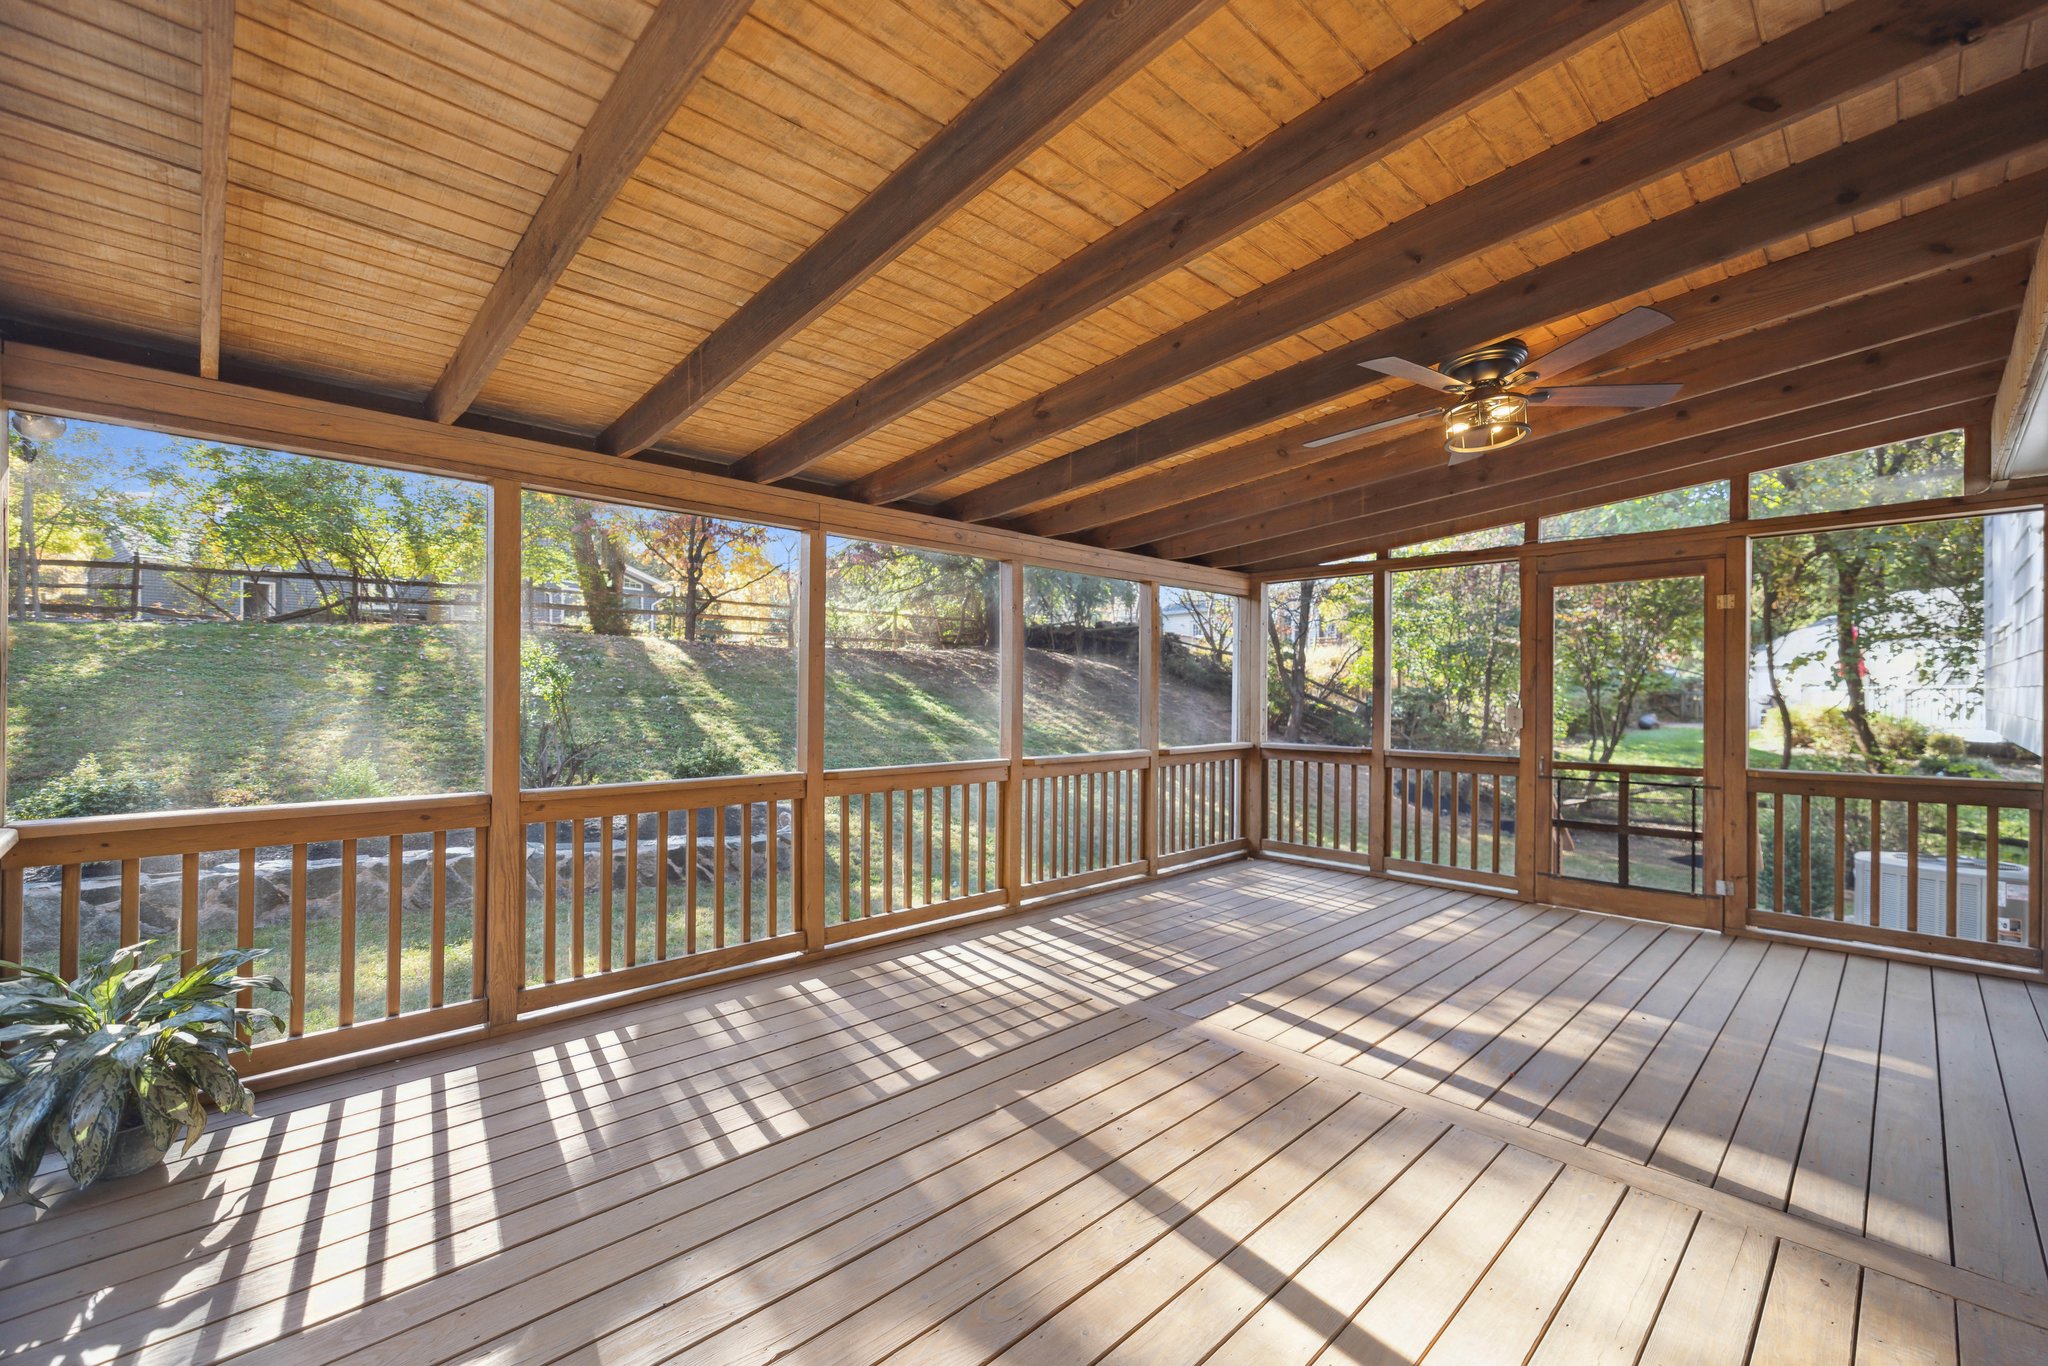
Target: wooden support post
x,y
1149,790
1248,712
503,919
1977,476
1381,817
809,891
1725,854
1010,843
1532,779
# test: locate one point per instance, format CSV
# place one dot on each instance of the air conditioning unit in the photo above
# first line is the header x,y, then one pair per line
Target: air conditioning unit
x,y
1972,874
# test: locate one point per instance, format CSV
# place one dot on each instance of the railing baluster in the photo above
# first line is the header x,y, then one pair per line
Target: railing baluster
x,y
661,884
346,1013
245,911
1990,890
549,891
131,901
188,913
298,994
632,927
718,899
1913,865
437,962
1841,855
394,924
604,896
867,801
578,897
1993,861
67,920
774,860
747,872
1778,852
690,880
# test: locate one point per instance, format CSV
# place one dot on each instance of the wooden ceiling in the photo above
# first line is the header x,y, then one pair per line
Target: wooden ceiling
x,y
1094,270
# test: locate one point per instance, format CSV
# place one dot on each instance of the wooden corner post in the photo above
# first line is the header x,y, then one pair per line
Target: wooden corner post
x,y
1248,711
1010,838
1148,724
503,919
1380,808
810,740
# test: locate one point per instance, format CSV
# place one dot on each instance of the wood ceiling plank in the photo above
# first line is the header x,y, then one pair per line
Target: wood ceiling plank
x,y
1947,241
1471,60
678,42
1665,445
216,83
1978,130
1090,52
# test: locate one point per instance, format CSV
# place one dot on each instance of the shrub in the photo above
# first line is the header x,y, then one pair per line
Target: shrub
x,y
1945,746
1899,737
352,779
89,790
706,759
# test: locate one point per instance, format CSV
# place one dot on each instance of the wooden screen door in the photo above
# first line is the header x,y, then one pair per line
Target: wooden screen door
x,y
1628,732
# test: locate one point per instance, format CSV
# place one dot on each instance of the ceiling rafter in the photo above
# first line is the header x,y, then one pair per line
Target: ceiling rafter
x,y
1941,240
1956,296
216,90
1094,49
1766,446
1930,149
1489,49
680,39
1812,68
1660,441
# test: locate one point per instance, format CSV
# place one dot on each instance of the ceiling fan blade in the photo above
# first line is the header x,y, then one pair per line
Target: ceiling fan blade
x,y
1607,395
1588,347
1413,373
1334,438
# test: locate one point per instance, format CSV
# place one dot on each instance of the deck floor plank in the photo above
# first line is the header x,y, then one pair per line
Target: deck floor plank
x,y
1215,1117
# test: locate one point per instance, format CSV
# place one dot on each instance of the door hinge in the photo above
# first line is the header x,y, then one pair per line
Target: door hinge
x,y
1724,888
1725,601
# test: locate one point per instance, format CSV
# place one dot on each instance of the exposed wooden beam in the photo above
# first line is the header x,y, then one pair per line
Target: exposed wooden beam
x,y
1476,56
1818,399
176,402
1982,128
1810,69
1945,240
1769,451
679,41
216,89
1933,304
1087,54
2018,433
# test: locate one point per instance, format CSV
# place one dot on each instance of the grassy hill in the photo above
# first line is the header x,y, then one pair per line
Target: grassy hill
x,y
219,714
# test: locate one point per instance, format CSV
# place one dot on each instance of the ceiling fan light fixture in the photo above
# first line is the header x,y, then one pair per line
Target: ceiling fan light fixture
x,y
37,426
1486,423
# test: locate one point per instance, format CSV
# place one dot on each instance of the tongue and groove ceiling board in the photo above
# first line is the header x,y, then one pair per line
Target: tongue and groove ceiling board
x,y
385,159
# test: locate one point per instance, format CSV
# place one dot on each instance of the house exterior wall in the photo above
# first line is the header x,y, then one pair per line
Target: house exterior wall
x,y
2013,627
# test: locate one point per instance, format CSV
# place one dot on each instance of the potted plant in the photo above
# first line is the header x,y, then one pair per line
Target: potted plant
x,y
108,1068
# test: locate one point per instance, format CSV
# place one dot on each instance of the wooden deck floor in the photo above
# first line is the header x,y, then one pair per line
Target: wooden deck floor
x,y
1260,1113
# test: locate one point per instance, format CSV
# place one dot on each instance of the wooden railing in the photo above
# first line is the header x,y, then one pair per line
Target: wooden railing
x,y
1942,865
1319,800
903,845
1200,800
1629,825
1452,814
1082,820
634,883
372,910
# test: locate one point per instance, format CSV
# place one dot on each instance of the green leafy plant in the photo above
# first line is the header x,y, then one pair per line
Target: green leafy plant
x,y
108,1068
89,790
708,759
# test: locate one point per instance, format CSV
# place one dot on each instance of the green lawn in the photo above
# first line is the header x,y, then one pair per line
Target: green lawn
x,y
220,714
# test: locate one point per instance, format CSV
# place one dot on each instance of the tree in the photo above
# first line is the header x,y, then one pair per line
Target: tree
x,y
1457,656
906,594
1616,643
1319,655
1918,584
709,559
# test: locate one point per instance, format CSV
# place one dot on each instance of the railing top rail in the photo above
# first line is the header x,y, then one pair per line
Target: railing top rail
x,y
1286,749
679,794
1661,770
1076,763
1200,751
850,781
1898,787
1477,763
152,833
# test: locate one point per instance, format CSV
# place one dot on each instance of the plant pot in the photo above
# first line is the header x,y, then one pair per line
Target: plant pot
x,y
133,1153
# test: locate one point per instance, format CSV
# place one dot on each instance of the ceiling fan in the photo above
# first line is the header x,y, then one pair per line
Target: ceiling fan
x,y
1491,388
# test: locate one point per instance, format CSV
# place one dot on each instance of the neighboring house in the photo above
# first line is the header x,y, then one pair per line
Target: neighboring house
x,y
561,604
2012,627
2006,707
1806,674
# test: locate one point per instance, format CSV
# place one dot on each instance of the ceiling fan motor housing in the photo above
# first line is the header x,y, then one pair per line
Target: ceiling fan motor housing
x,y
1489,365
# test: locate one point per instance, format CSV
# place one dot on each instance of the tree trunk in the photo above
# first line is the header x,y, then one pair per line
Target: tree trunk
x,y
600,573
1849,660
1769,610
